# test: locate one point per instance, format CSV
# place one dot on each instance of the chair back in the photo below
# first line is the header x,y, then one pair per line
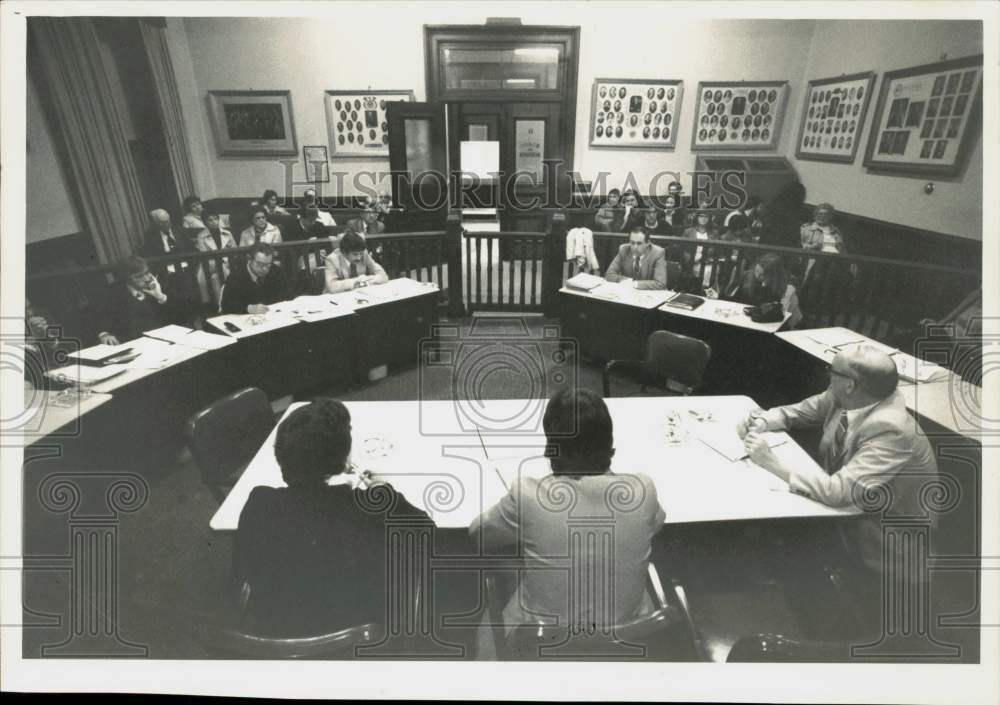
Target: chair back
x,y
673,274
677,358
339,643
225,435
318,283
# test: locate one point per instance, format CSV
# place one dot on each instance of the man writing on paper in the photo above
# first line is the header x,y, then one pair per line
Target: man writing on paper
x,y
873,452
251,288
350,266
639,263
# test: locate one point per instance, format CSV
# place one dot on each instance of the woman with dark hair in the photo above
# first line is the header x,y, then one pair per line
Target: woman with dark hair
x,y
193,209
783,216
312,555
767,282
260,230
534,516
269,202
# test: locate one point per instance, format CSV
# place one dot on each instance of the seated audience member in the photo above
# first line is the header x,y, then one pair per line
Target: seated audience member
x,y
608,218
871,448
631,210
139,302
767,282
580,447
269,202
351,266
654,224
323,217
368,223
314,555
161,240
305,225
250,288
739,229
193,212
261,230
674,214
782,217
822,235
639,263
213,237
691,260
750,210
680,217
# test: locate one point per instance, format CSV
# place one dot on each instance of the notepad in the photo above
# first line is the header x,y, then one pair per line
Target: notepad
x,y
584,282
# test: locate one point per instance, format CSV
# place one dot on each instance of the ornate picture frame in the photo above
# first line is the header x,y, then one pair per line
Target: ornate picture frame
x,y
927,118
252,123
357,123
738,115
629,113
833,117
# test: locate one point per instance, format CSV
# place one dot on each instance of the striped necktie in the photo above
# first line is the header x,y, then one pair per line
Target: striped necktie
x,y
635,266
836,455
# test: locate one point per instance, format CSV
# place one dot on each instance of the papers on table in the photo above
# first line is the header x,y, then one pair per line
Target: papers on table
x,y
187,337
84,375
584,281
312,308
246,325
723,439
835,337
627,294
393,290
102,354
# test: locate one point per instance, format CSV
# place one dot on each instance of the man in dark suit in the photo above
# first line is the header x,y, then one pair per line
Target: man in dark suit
x,y
139,302
368,223
250,288
160,238
639,262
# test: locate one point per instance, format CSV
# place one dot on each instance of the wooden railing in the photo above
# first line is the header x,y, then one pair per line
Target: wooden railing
x,y
523,271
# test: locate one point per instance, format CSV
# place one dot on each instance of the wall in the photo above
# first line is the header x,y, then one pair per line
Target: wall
x,y
50,213
844,47
309,56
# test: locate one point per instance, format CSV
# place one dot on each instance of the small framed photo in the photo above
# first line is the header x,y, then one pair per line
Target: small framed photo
x,y
358,124
252,123
317,163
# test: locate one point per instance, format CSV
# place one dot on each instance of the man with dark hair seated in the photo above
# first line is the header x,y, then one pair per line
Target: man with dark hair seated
x,y
251,287
138,301
350,266
535,516
314,554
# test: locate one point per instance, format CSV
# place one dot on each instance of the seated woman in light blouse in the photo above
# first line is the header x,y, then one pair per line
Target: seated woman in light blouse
x,y
261,230
269,202
193,212
213,237
822,235
535,519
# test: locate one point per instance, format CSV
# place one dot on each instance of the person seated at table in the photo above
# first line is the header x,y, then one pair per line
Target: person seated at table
x,y
213,237
269,202
767,282
654,223
193,210
874,455
260,230
323,217
43,341
639,263
139,301
250,288
314,555
350,266
368,223
535,518
608,218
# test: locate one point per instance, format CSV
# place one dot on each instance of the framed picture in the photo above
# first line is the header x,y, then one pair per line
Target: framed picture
x,y
833,116
317,163
252,123
639,113
357,122
927,118
738,115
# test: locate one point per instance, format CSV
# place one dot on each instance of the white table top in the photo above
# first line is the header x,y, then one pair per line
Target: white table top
x,y
46,412
623,294
429,452
729,313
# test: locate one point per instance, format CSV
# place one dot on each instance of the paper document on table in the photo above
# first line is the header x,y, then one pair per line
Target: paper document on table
x,y
246,324
834,337
584,281
197,339
101,353
723,439
313,308
84,375
154,354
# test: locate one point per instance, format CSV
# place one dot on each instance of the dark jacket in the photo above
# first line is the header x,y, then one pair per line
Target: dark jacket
x,y
241,290
152,242
315,558
127,317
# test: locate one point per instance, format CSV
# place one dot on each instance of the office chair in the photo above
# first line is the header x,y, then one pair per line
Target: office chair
x,y
777,648
225,435
338,644
673,362
667,630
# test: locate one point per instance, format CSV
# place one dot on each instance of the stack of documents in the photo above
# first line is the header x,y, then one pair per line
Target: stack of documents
x,y
84,375
584,282
188,337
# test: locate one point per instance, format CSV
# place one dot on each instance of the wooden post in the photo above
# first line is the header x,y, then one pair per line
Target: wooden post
x,y
453,254
552,262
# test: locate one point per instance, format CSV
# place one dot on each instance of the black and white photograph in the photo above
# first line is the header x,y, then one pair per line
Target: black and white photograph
x,y
391,350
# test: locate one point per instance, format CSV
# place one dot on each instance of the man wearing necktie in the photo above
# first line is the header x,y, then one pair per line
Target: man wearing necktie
x,y
875,458
639,263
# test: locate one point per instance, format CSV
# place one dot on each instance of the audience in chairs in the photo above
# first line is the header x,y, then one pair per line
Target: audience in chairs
x,y
261,229
533,518
193,212
213,237
269,202
160,238
323,217
350,266
655,224
312,557
139,301
250,288
368,223
639,263
821,235
691,261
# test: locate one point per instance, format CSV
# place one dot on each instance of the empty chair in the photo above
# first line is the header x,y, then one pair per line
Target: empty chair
x,y
224,436
674,362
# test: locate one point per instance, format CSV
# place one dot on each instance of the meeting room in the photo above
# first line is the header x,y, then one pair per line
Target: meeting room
x,y
590,335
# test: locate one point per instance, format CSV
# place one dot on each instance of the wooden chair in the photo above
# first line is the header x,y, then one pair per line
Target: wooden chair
x,y
674,362
224,436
